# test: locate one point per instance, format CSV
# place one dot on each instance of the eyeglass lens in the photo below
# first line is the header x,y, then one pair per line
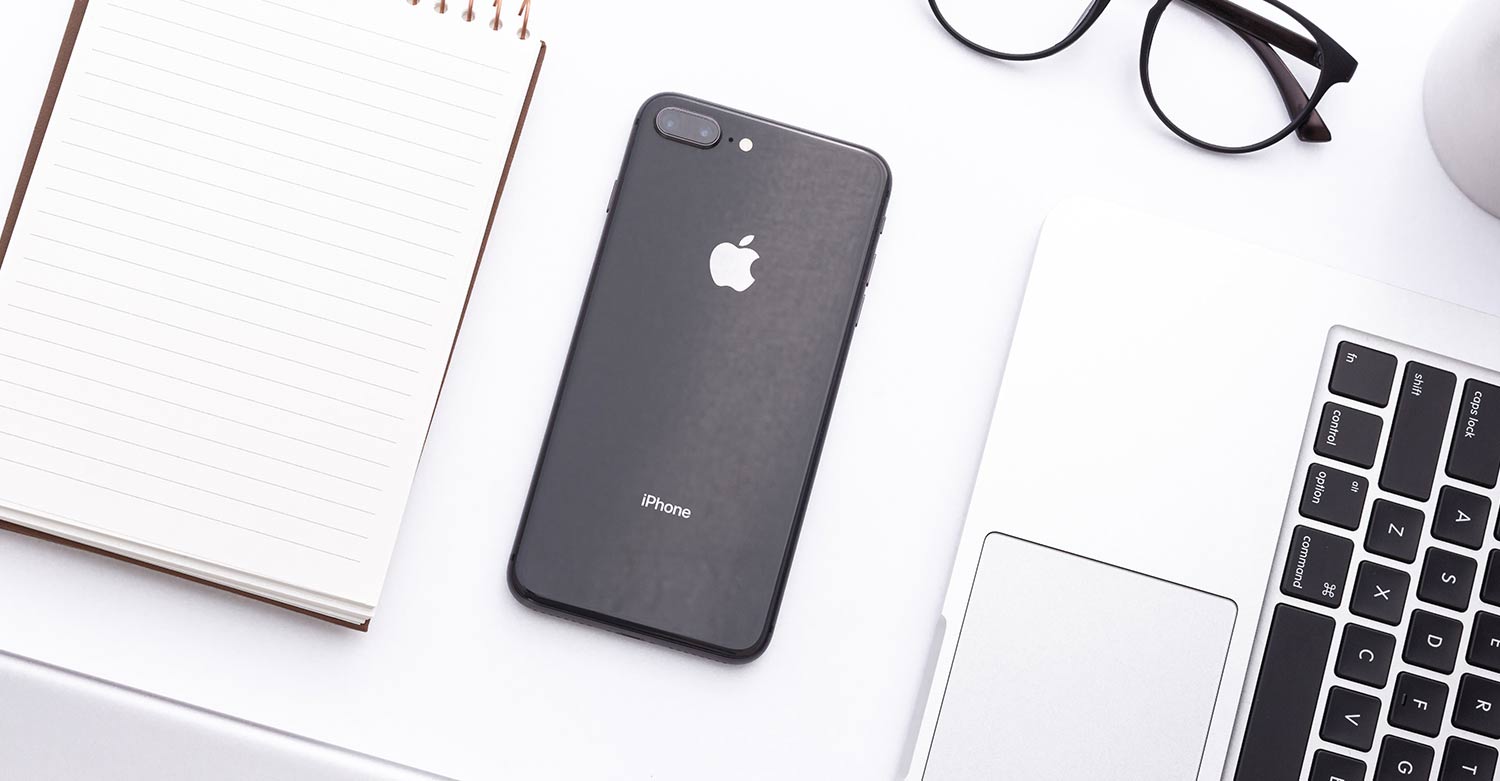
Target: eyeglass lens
x,y
1213,79
1219,84
1018,27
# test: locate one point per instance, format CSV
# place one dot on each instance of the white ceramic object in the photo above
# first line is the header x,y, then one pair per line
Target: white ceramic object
x,y
1463,102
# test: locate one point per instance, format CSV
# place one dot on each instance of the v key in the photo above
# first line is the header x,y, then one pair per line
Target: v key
x,y
1350,719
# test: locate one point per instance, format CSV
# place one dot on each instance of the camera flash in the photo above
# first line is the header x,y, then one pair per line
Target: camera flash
x,y
746,145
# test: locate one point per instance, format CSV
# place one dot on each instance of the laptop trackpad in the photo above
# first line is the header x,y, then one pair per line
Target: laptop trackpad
x,y
1070,669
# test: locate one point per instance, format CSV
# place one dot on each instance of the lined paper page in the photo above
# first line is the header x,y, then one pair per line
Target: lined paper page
x,y
227,307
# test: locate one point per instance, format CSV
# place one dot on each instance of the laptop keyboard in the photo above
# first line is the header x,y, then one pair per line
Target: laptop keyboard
x,y
1381,661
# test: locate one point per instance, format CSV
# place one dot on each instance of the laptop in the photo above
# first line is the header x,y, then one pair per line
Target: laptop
x,y
1235,521
122,734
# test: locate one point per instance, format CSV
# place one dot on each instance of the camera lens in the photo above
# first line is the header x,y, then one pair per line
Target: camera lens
x,y
688,127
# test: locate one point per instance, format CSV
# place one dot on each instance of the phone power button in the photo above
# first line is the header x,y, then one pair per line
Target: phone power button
x,y
614,192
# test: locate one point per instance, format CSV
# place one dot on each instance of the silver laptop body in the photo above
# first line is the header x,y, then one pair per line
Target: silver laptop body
x,y
122,734
1190,447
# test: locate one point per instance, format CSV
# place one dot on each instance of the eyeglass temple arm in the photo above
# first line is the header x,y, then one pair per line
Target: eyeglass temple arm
x,y
1260,34
1313,130
1246,21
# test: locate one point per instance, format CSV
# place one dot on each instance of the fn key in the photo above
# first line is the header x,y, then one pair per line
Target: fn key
x,y
1363,374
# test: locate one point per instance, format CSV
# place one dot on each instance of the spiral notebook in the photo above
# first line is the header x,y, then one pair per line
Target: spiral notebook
x,y
233,274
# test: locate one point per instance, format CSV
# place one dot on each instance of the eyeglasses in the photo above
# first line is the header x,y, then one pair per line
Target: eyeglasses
x,y
1204,63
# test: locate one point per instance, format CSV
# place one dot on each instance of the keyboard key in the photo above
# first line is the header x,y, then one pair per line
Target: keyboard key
x,y
1348,435
1286,695
1465,761
1317,566
1365,656
1418,431
1477,708
1403,760
1395,531
1363,374
1350,719
1417,704
1462,518
1484,642
1328,766
1433,641
1475,455
1380,593
1490,591
1334,496
1447,579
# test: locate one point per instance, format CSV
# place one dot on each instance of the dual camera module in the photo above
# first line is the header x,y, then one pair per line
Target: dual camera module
x,y
687,127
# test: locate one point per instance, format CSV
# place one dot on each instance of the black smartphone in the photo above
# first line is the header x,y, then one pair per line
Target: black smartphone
x,y
687,427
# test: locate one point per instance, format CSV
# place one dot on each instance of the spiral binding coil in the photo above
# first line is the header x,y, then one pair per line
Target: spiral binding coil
x,y
495,23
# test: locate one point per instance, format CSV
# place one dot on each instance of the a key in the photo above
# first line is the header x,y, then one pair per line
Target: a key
x,y
1467,761
1477,708
1363,374
1328,766
1317,566
1349,435
1447,579
1334,496
1461,518
1365,656
1350,719
1418,431
1484,642
1286,696
1475,454
1380,593
1403,760
1490,591
1432,641
1395,531
1417,704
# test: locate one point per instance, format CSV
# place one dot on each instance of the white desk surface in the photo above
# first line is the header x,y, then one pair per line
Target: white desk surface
x,y
458,678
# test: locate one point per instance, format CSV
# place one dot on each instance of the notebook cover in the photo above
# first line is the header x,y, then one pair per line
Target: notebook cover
x,y
44,118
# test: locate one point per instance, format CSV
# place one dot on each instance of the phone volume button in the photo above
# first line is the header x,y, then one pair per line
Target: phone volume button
x,y
614,192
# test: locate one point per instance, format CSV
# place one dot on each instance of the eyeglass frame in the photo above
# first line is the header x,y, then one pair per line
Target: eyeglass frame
x,y
1334,63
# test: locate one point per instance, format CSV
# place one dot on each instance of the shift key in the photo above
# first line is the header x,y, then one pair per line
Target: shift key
x,y
1317,566
1417,432
1475,455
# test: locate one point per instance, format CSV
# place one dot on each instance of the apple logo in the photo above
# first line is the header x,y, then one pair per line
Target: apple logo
x,y
730,264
